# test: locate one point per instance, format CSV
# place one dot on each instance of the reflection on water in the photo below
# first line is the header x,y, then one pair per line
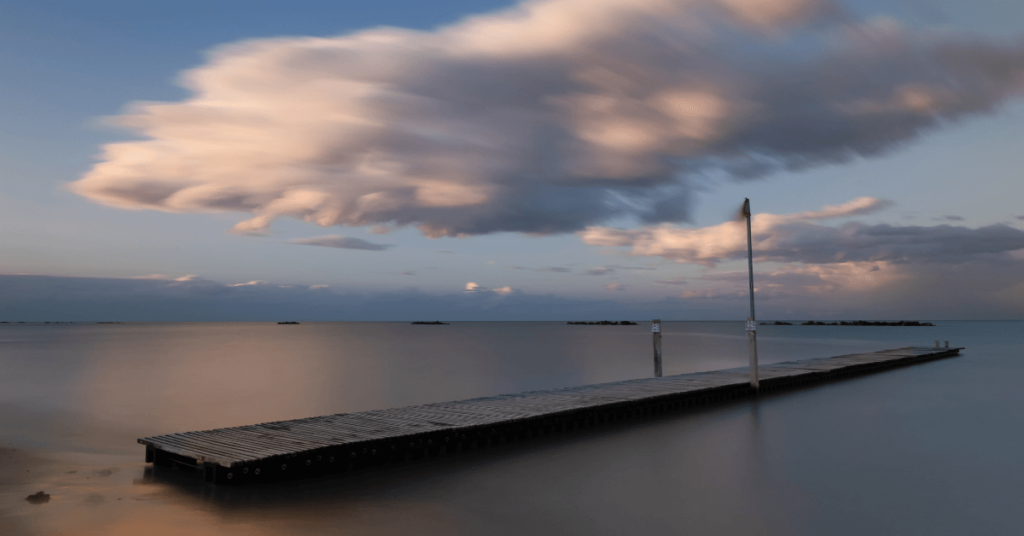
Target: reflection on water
x,y
924,449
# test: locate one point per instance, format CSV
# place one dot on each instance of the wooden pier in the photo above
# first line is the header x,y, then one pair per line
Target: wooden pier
x,y
352,441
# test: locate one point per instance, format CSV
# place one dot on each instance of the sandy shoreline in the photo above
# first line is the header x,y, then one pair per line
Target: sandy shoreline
x,y
20,470
87,492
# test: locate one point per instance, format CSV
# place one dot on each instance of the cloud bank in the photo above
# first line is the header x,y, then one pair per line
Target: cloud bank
x,y
808,269
84,299
974,290
981,288
547,117
797,238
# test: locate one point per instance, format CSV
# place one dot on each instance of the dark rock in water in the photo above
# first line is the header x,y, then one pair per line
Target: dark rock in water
x,y
865,323
777,323
287,322
38,498
434,323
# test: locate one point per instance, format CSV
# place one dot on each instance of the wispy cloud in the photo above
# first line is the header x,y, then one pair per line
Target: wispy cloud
x,y
475,288
856,207
254,283
615,287
342,242
546,117
405,272
552,269
621,267
162,277
611,268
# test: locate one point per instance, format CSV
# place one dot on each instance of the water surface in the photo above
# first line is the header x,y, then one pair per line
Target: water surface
x,y
928,449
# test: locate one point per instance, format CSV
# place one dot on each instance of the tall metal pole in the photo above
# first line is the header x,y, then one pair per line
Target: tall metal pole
x,y
751,320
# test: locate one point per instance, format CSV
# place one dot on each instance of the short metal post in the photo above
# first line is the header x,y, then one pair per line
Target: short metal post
x,y
656,331
936,344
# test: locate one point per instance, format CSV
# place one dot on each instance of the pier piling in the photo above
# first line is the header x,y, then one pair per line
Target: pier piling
x,y
656,332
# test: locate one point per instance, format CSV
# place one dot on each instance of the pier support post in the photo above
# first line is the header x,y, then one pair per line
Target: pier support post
x,y
159,458
656,331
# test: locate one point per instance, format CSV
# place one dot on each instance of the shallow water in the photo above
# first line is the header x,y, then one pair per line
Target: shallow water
x,y
928,449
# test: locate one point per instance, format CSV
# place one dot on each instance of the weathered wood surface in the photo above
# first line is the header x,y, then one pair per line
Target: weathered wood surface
x,y
332,443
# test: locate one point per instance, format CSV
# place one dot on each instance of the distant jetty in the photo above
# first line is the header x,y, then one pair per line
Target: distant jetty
x,y
603,323
287,322
864,323
434,323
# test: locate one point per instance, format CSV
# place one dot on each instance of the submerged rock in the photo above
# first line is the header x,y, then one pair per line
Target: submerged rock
x,y
38,498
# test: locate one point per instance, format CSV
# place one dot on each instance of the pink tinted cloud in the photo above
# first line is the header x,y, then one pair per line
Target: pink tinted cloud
x,y
546,117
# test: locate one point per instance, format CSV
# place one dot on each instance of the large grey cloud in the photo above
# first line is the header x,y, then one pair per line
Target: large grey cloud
x,y
544,118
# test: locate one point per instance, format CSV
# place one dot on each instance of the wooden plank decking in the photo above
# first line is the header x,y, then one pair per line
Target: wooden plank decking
x,y
348,441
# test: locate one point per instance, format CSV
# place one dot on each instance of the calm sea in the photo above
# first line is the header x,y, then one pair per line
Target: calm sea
x,y
929,449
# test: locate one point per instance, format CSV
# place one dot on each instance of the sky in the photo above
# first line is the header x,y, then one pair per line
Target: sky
x,y
485,160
